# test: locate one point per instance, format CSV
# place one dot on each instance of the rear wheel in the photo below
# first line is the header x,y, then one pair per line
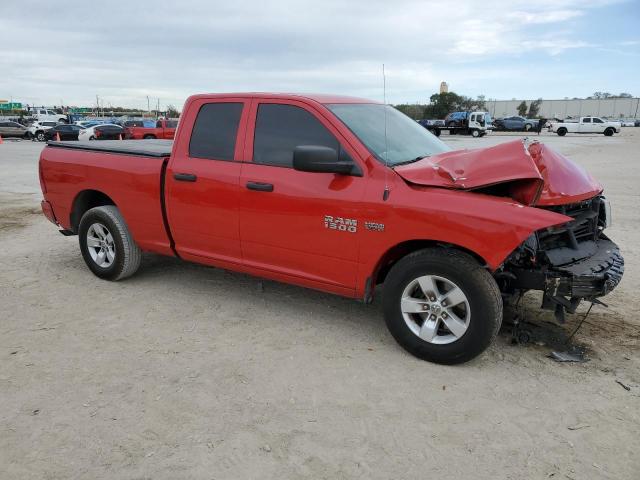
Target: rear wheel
x,y
608,132
106,244
40,136
149,137
562,131
441,305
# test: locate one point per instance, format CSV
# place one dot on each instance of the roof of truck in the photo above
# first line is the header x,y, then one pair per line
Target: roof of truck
x,y
316,97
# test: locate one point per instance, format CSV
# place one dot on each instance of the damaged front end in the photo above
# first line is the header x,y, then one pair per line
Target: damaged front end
x,y
569,263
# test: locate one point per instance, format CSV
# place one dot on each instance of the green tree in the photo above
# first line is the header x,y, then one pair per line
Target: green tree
x,y
172,112
534,108
522,108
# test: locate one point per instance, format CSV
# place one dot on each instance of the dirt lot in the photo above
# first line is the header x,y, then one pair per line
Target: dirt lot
x,y
191,372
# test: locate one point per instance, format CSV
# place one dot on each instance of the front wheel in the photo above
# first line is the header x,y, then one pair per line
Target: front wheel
x,y
40,136
106,244
608,132
562,132
527,127
441,305
475,133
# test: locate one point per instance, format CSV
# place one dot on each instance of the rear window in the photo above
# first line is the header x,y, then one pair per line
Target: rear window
x,y
215,131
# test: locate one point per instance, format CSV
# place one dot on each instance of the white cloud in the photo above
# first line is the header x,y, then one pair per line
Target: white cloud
x,y
73,51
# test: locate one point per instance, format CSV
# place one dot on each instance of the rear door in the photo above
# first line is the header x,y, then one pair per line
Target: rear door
x,y
298,224
202,181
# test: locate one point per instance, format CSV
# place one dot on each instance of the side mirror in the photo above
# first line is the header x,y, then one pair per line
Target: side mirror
x,y
315,158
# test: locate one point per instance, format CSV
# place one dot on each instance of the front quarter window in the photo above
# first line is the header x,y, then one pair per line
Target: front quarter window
x,y
406,140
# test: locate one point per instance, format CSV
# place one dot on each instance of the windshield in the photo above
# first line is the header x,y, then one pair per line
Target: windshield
x,y
406,141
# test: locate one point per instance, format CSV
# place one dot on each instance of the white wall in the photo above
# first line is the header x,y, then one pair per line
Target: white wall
x,y
610,107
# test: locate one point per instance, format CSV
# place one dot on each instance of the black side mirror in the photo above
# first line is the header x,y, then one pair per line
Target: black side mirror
x,y
316,158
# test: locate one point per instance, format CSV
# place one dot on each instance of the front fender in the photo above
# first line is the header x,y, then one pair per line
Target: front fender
x,y
489,227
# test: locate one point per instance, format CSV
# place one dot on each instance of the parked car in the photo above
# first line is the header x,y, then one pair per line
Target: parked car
x,y
46,115
516,123
13,129
431,123
163,129
102,132
456,119
585,125
627,122
343,195
37,130
637,122
65,132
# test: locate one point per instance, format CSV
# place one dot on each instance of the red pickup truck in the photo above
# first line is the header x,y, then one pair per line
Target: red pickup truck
x,y
343,194
164,129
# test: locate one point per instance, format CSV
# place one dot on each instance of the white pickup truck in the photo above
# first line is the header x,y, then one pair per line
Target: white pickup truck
x,y
586,125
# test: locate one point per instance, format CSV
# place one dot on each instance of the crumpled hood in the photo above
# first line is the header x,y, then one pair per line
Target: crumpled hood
x,y
532,174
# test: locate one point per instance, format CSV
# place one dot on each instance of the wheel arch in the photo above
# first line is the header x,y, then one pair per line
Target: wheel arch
x,y
401,250
86,200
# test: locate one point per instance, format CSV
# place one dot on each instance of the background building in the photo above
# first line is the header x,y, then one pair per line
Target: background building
x,y
606,107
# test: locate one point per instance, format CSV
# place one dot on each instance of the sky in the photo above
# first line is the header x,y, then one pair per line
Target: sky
x,y
68,52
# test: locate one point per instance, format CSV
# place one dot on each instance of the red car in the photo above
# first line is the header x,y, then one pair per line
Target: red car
x,y
343,194
164,129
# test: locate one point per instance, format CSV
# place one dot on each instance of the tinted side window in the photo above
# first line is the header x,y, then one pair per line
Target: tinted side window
x,y
586,120
281,128
215,131
597,120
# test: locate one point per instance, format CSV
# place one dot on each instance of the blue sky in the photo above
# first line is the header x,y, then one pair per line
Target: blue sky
x,y
71,51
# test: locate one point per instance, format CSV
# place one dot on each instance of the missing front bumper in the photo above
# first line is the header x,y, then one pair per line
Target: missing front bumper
x,y
588,278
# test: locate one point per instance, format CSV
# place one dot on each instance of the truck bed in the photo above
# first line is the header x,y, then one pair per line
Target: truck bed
x,y
143,148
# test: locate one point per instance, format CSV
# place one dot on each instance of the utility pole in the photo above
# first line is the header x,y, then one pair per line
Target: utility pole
x,y
148,106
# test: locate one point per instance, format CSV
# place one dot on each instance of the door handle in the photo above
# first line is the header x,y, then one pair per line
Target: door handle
x,y
185,177
259,186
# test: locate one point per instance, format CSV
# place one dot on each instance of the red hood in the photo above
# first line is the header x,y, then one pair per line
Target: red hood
x,y
533,174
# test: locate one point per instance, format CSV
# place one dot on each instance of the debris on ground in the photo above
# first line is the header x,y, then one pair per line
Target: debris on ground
x,y
579,426
626,387
573,354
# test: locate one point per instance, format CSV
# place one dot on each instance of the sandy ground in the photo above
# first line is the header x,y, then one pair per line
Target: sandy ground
x,y
191,372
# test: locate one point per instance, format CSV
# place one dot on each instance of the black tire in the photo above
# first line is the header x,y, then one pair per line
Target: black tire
x,y
608,132
562,131
475,133
149,137
40,136
128,255
92,137
527,127
478,286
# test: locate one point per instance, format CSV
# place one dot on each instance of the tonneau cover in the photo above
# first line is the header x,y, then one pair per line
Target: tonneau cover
x,y
144,148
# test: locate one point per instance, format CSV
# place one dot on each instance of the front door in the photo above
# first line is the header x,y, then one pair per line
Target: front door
x,y
293,223
202,182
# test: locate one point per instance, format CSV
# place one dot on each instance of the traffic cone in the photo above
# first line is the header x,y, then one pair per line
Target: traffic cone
x,y
57,136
